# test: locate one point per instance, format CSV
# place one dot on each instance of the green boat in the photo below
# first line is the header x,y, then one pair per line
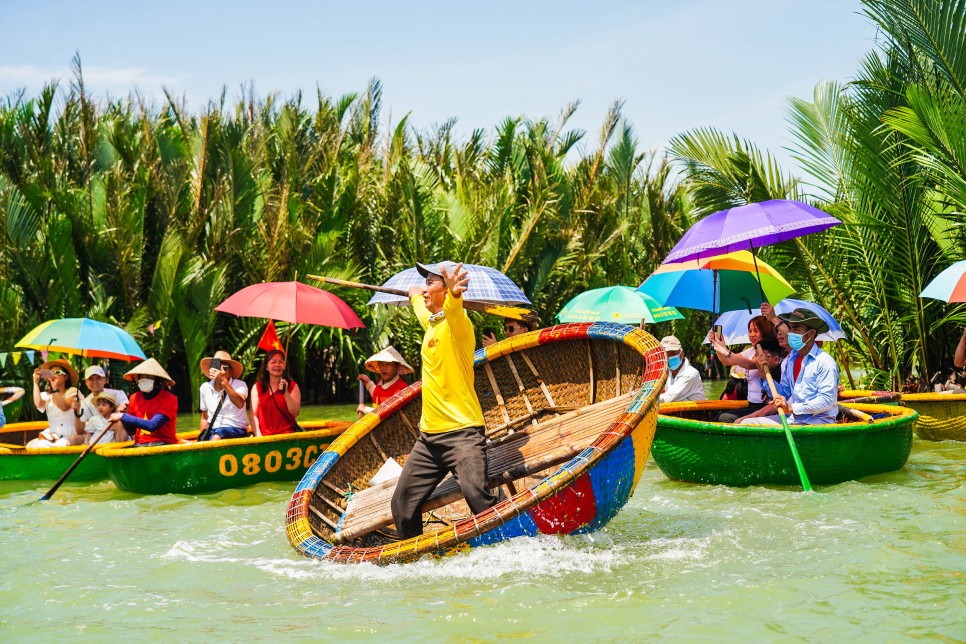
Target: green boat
x,y
689,446
942,416
189,468
19,463
12,400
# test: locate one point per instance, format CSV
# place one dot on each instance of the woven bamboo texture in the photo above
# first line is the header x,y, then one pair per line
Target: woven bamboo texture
x,y
690,446
942,417
570,412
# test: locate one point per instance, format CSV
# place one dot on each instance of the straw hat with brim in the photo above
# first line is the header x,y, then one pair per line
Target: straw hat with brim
x,y
225,357
805,316
106,397
63,364
389,354
435,269
149,367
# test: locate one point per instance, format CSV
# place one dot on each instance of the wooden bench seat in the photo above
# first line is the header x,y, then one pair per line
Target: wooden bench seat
x,y
552,442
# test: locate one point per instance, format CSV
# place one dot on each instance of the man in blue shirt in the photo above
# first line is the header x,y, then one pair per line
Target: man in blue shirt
x,y
808,390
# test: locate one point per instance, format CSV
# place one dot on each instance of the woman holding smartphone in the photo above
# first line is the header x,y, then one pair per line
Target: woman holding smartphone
x,y
758,328
276,399
60,403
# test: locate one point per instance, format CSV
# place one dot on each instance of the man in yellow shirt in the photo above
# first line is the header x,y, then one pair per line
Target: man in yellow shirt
x,y
451,437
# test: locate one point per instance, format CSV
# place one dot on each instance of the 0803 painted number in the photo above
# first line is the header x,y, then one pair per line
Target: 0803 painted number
x,y
252,464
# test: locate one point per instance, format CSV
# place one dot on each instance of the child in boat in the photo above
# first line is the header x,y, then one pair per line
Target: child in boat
x,y
390,365
106,405
770,354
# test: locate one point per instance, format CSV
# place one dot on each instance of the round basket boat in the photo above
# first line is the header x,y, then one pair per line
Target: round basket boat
x,y
189,468
570,413
690,446
12,400
19,463
942,417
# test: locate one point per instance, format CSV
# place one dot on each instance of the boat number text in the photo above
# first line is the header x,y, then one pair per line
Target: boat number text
x,y
293,459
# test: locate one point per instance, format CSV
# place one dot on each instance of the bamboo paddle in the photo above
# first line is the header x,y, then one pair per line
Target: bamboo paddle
x,y
70,469
503,310
806,486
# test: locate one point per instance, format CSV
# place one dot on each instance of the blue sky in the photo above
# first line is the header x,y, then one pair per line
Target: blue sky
x,y
676,65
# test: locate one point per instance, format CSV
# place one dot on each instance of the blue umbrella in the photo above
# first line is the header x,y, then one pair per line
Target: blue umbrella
x,y
734,324
487,285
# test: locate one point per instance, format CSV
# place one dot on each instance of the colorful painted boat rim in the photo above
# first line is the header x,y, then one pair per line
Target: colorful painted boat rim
x,y
700,451
619,461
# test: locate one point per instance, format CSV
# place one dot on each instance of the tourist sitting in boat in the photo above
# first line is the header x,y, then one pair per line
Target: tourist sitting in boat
x,y
451,437
152,412
276,398
758,328
96,378
769,357
106,405
390,365
683,380
223,399
511,328
808,390
60,402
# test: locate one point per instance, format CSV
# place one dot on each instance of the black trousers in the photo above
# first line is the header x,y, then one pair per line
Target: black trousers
x,y
461,452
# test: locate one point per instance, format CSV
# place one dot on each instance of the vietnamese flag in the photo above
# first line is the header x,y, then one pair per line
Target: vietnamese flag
x,y
270,341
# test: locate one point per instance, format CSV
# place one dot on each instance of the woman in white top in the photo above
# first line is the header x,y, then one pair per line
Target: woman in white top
x,y
61,404
758,327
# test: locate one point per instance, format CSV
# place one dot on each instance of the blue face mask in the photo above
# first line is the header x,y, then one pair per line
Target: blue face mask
x,y
796,341
674,362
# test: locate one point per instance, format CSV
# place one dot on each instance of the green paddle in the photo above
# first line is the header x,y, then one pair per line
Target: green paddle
x,y
806,486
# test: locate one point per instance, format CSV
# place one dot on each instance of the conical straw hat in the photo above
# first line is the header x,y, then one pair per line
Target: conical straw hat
x,y
149,367
389,354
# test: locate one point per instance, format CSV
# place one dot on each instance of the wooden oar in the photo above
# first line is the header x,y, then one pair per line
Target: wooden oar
x,y
70,469
503,310
893,396
806,486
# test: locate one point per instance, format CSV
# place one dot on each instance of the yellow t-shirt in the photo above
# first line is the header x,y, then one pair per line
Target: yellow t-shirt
x,y
449,398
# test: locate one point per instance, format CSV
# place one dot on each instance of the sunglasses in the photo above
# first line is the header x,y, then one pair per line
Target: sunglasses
x,y
510,328
58,372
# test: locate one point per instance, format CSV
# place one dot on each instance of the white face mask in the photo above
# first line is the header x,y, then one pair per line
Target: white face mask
x,y
145,385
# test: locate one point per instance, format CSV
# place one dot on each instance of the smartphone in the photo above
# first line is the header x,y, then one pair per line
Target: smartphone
x,y
719,330
216,363
46,373
489,331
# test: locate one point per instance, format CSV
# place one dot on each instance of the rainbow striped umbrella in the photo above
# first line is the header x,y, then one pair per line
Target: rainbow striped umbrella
x,y
948,286
83,337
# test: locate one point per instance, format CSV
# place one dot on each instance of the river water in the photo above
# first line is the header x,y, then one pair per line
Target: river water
x,y
882,559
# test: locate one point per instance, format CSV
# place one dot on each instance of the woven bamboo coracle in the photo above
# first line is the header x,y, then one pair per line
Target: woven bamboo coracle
x,y
570,413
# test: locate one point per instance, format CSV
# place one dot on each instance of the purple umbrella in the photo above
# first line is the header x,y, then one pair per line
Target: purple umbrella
x,y
749,227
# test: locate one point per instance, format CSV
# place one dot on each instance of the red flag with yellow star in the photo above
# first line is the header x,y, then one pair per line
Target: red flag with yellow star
x,y
270,341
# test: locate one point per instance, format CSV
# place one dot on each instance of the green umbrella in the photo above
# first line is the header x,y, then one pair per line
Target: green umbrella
x,y
616,304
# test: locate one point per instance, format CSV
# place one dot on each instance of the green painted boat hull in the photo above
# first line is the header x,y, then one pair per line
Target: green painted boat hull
x,y
46,464
219,465
698,451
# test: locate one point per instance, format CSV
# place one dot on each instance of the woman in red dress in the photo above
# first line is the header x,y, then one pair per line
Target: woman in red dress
x,y
276,399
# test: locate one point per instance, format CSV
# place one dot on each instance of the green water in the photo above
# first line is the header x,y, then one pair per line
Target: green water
x,y
877,560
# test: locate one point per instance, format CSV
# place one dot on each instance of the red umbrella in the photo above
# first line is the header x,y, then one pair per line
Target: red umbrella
x,y
292,302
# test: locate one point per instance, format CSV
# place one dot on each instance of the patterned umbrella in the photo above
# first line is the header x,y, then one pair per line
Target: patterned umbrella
x,y
616,304
83,337
487,285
